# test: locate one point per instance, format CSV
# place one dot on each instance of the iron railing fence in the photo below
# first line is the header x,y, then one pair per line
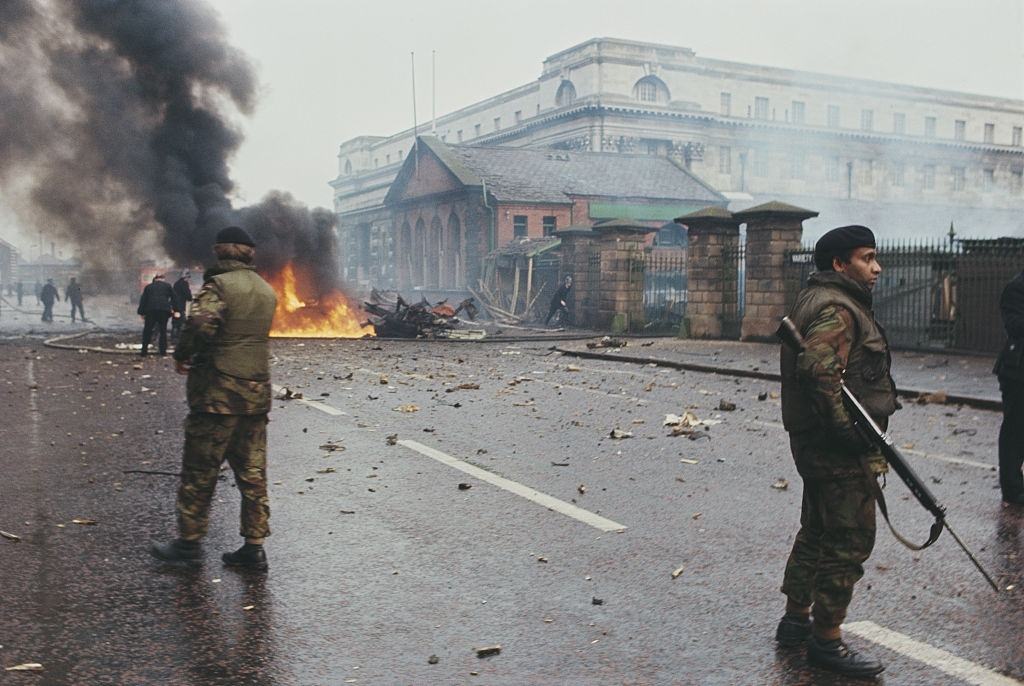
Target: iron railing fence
x,y
664,274
935,294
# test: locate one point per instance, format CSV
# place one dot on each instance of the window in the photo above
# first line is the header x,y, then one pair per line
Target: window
x,y
796,165
458,135
959,130
565,95
832,169
476,130
928,180
761,163
1016,180
990,133
726,106
867,120
725,160
867,172
518,116
897,174
899,123
959,178
348,166
550,225
929,127
497,123
1017,131
833,116
519,226
988,180
647,91
760,108
799,112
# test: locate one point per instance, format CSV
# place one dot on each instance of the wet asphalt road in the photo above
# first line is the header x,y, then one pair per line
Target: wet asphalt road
x,y
384,561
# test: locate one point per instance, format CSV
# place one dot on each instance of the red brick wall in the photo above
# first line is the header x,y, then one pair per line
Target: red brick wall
x,y
534,219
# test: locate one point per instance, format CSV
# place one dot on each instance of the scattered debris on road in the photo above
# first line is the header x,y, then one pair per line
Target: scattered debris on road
x,y
581,489
10,537
726,406
597,601
433,660
463,486
391,439
25,667
619,433
676,573
781,484
407,408
763,395
288,394
936,398
686,460
332,447
84,522
393,317
487,651
463,387
607,342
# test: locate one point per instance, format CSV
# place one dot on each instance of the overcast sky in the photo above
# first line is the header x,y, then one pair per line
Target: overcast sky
x,y
334,69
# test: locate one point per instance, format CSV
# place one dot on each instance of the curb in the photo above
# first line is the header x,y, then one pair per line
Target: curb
x,y
913,393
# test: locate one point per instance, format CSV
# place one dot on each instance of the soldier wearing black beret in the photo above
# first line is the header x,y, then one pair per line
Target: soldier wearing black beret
x,y
837,518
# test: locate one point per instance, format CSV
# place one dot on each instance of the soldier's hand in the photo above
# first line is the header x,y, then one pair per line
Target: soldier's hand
x,y
182,367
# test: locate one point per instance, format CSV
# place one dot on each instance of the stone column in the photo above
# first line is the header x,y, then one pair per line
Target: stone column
x,y
576,249
620,305
773,229
712,273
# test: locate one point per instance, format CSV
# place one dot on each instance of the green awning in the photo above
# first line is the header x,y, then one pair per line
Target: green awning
x,y
666,213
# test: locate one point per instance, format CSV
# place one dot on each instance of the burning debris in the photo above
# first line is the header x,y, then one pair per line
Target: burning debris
x,y
392,317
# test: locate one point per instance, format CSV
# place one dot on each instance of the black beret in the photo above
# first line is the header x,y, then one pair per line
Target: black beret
x,y
839,241
234,234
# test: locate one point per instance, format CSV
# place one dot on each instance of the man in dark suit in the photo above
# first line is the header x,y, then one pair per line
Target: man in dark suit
x,y
1010,369
183,296
155,307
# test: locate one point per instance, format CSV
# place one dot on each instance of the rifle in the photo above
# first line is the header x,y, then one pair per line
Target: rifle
x,y
876,438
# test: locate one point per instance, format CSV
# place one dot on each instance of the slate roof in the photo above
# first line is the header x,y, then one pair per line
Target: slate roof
x,y
544,175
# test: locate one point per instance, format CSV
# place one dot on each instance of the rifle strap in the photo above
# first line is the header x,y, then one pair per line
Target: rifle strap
x,y
876,490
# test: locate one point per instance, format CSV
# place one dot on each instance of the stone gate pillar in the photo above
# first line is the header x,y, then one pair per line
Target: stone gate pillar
x,y
773,229
620,244
712,273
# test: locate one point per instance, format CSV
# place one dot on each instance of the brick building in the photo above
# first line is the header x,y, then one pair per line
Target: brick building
x,y
451,205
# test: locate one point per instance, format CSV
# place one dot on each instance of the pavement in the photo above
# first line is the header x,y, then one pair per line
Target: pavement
x,y
430,499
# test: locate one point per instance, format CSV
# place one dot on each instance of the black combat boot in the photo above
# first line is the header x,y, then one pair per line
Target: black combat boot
x,y
835,656
249,556
794,630
177,550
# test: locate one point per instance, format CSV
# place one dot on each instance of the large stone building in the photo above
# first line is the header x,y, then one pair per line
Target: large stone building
x,y
905,160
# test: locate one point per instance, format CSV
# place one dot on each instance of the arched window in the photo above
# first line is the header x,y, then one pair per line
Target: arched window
x,y
651,89
348,166
566,94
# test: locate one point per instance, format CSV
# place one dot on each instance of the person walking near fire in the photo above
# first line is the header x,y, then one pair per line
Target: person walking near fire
x,y
224,349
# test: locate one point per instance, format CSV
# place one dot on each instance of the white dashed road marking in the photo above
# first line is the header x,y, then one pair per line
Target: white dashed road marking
x,y
560,506
935,657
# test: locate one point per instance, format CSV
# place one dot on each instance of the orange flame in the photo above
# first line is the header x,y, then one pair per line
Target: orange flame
x,y
329,316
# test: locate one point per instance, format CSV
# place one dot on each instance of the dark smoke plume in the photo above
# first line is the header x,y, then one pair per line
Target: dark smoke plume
x,y
115,129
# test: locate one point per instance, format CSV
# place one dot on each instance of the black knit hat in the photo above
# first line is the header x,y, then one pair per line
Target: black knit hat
x,y
234,234
837,242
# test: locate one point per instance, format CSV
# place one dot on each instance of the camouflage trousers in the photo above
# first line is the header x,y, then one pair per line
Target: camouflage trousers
x,y
837,533
209,440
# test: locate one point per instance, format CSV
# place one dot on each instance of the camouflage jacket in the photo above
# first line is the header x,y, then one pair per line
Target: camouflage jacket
x,y
208,388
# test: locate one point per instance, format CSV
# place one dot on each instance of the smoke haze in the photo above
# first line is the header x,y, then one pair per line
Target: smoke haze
x,y
116,133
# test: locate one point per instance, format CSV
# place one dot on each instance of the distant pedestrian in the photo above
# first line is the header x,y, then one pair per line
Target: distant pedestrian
x,y
225,351
183,296
48,295
39,292
20,289
155,307
560,300
1010,370
74,293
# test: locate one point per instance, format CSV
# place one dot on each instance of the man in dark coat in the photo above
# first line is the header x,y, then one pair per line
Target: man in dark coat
x,y
1010,369
183,296
74,293
837,517
560,300
48,295
21,292
155,307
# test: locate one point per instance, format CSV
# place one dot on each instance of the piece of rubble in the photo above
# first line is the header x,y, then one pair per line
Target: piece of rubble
x,y
10,537
463,486
726,406
288,394
781,484
607,342
936,398
686,460
84,522
763,395
326,470
25,667
677,572
581,489
391,439
596,601
463,387
332,447
487,651
619,433
573,368
407,408
433,660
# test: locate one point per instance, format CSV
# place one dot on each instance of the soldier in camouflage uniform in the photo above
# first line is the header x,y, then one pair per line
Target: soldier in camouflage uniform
x,y
224,350
837,519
